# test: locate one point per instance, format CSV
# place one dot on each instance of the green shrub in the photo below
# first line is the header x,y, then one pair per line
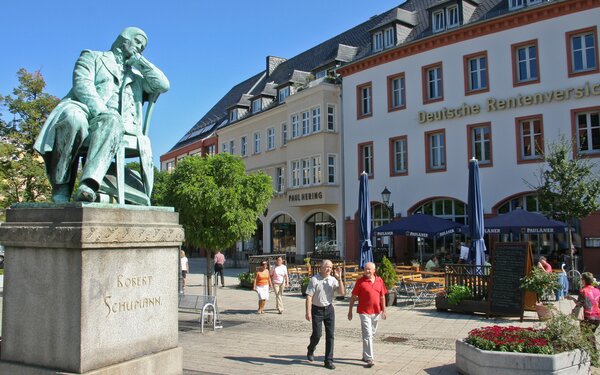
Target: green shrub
x,y
542,283
387,272
457,293
246,279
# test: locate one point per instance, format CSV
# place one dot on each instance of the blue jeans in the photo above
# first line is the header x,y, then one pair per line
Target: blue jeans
x,y
325,315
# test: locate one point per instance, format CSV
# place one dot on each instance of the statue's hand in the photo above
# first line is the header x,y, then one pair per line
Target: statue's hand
x,y
134,60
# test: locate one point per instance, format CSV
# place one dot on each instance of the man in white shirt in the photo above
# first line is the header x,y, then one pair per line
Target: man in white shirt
x,y
280,279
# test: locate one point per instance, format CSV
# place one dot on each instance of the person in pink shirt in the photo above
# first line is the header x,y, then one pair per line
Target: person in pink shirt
x,y
219,266
589,298
543,264
370,293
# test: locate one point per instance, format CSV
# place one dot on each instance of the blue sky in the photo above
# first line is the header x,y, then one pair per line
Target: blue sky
x,y
204,47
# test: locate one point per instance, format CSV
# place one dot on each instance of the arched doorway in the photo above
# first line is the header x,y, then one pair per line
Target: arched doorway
x,y
321,231
283,236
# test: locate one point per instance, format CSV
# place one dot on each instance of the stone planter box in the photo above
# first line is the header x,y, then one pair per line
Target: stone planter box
x,y
473,361
469,306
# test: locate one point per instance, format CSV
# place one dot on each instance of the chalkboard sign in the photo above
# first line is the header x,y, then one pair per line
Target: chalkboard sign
x,y
510,262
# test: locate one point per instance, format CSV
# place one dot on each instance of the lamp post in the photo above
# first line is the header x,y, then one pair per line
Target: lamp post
x,y
385,197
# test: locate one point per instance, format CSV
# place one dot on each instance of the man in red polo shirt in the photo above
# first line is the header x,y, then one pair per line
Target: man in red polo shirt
x,y
370,292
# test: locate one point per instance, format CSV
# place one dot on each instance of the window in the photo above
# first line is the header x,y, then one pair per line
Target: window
x,y
432,83
586,123
211,150
224,147
516,4
435,146
331,168
480,143
378,41
363,96
582,51
530,139
305,172
388,39
316,170
233,115
279,179
396,92
331,117
525,63
452,16
439,21
257,143
283,93
316,119
398,156
476,73
305,123
295,173
365,159
295,126
243,146
231,147
170,166
321,74
270,138
284,134
256,106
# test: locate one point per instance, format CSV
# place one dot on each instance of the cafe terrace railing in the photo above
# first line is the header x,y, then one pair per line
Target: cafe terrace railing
x,y
477,278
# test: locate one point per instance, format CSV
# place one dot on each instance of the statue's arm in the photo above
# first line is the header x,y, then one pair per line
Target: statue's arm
x,y
155,80
84,86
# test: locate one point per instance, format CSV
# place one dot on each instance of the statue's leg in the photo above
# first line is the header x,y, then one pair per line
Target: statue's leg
x,y
71,130
106,134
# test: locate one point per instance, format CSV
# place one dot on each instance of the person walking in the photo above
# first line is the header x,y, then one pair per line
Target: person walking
x,y
262,281
370,292
184,267
280,279
219,266
319,309
589,299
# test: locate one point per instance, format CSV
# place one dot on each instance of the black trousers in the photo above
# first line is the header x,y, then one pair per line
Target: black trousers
x,y
219,270
320,316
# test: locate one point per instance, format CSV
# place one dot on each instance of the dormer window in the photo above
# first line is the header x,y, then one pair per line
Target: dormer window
x,y
446,18
388,37
378,41
518,4
233,115
256,106
321,74
283,93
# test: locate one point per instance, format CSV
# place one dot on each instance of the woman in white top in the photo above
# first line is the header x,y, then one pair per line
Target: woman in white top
x,y
184,265
280,279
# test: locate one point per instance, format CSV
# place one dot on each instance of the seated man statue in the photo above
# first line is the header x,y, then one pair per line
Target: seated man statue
x,y
104,104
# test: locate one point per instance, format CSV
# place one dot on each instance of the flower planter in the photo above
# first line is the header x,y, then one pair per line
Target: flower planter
x,y
466,305
473,361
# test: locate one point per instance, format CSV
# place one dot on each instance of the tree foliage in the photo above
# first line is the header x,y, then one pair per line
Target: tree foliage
x,y
22,172
217,201
569,188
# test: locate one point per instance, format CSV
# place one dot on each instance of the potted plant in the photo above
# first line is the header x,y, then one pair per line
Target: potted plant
x,y
304,285
387,272
543,284
307,264
246,279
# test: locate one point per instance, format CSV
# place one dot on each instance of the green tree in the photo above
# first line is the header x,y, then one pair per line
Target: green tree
x,y
568,187
22,172
217,201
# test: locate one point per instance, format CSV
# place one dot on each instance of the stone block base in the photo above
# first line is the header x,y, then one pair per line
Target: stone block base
x,y
167,362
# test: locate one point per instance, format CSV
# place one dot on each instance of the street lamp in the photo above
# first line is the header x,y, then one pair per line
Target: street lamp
x,y
385,197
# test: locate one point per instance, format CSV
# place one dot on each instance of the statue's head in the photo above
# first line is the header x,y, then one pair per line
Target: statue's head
x,y
131,40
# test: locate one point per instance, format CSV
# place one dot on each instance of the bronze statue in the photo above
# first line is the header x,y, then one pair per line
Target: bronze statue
x,y
104,104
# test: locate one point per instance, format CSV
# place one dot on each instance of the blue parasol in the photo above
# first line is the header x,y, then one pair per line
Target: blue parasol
x,y
364,221
475,214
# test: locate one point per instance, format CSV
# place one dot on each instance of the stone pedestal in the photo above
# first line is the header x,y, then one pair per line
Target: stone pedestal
x,y
90,289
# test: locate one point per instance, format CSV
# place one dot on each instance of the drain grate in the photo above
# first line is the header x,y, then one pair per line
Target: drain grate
x,y
394,339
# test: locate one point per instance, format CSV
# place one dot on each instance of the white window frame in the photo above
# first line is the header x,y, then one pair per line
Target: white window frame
x,y
367,159
378,41
452,16
516,4
331,168
270,138
316,170
438,20
306,168
211,150
400,156
388,37
295,121
589,130
233,115
295,173
365,100
224,147
280,179
434,83
437,154
244,146
256,142
481,144
232,147
321,74
527,62
283,93
316,119
583,52
305,123
398,86
284,134
256,105
478,72
331,117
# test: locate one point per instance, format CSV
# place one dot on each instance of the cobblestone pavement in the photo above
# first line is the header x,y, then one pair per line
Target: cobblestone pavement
x,y
411,341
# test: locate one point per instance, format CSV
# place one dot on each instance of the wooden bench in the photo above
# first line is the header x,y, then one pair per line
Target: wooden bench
x,y
204,305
